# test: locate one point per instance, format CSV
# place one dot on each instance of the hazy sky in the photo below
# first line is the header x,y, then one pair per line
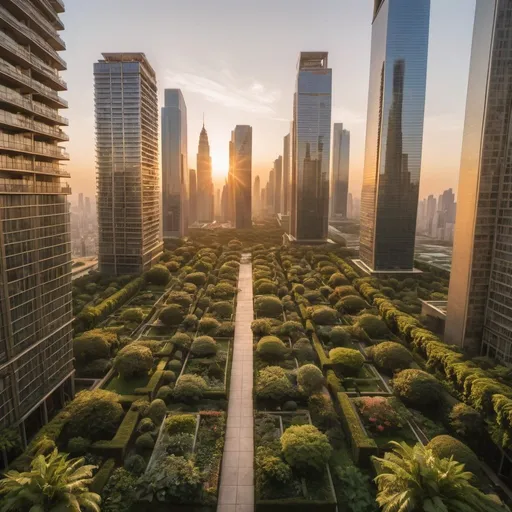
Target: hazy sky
x,y
236,62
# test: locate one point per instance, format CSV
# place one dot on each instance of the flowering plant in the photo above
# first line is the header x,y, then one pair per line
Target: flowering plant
x,y
378,415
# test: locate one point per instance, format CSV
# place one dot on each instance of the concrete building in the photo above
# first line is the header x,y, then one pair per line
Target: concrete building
x,y
278,192
479,314
204,179
394,135
311,148
126,108
340,170
36,353
242,167
192,210
256,195
287,164
175,177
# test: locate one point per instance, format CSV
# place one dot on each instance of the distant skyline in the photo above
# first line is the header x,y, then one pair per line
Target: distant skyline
x,y
239,66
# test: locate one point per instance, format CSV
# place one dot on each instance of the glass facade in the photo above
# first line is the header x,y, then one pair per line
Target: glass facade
x,y
480,294
278,195
286,174
36,355
311,148
242,160
394,134
340,170
175,177
204,179
127,163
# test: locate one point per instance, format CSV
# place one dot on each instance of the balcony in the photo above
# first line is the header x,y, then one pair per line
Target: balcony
x,y
47,7
12,97
29,36
19,121
58,5
27,165
24,145
26,187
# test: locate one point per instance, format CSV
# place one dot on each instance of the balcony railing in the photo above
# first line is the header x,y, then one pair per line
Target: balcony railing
x,y
50,9
20,121
28,146
28,165
15,187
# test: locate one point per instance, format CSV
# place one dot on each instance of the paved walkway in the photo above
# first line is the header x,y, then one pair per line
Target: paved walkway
x,y
236,493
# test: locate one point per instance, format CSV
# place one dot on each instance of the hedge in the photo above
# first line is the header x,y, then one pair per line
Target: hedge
x,y
349,272
101,477
363,447
152,386
117,447
325,362
333,382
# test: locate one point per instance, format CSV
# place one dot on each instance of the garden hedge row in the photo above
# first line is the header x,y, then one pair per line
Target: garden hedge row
x,y
363,447
102,476
325,362
154,381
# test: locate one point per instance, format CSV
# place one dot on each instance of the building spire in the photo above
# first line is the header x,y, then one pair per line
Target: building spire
x,y
203,120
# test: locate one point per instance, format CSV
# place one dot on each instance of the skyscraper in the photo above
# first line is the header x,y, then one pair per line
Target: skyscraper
x,y
36,354
174,165
311,148
231,181
204,179
224,203
394,134
278,193
286,174
242,165
479,316
271,186
127,163
340,170
350,207
192,211
256,195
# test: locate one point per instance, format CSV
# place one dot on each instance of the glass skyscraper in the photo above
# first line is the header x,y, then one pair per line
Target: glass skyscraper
x,y
127,163
340,170
311,148
204,179
242,168
286,174
394,134
278,193
175,177
480,294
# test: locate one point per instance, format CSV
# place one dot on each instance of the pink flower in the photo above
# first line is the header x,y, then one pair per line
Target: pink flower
x,y
372,419
380,428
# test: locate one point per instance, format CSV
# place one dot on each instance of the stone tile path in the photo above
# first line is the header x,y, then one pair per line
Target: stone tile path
x,y
236,492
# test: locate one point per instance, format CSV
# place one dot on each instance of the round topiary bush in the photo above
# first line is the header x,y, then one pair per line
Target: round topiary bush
x,y
324,315
268,306
299,288
91,346
181,423
417,388
291,329
445,447
132,315
272,383
340,336
311,283
144,443
168,377
261,327
290,406
172,266
303,350
133,361
135,464
181,340
174,366
198,278
351,304
165,393
271,348
373,326
466,421
157,411
78,445
158,275
181,298
348,360
225,330
305,448
222,309
337,279
265,287
204,346
208,325
310,379
391,356
145,425
190,388
190,322
171,315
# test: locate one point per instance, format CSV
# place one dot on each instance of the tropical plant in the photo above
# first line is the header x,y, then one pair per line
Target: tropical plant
x,y
413,478
53,484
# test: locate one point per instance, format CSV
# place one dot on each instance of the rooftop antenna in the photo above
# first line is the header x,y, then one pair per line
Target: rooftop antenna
x,y
203,119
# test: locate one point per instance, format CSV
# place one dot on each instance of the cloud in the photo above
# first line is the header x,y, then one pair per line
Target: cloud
x,y
225,88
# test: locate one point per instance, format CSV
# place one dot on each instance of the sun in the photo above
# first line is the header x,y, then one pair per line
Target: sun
x,y
220,163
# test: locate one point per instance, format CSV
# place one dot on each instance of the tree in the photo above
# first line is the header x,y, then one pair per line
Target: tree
x,y
158,275
413,478
53,484
133,361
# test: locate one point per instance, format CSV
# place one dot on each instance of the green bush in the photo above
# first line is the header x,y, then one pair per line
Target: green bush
x,y
272,470
337,279
96,369
272,383
305,448
135,464
466,421
313,296
261,327
348,360
180,444
183,299
181,340
324,315
78,445
190,388
198,278
445,447
208,325
157,411
158,275
299,288
223,309
141,406
132,315
190,322
90,346
133,360
271,348
180,423
290,405
344,291
223,291
351,304
171,315
303,350
168,377
391,356
154,346
268,306
340,336
204,346
310,379
145,425
373,326
165,393
417,388
172,266
174,366
265,287
225,330
144,443
355,489
291,329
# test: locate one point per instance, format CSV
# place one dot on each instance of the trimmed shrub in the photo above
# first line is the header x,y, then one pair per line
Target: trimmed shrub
x,y
324,315
183,299
132,315
391,356
171,315
291,329
172,266
90,346
158,275
271,348
198,278
305,448
466,421
265,287
144,443
337,279
174,366
310,379
225,330
261,327
164,392
190,322
135,464
373,326
445,447
340,336
298,288
268,306
168,376
204,346
181,340
157,411
78,445
290,406
351,304
313,297
180,423
208,325
272,383
141,406
223,291
190,388
153,345
303,350
222,309
344,291
145,425
133,360
348,360
417,388
96,369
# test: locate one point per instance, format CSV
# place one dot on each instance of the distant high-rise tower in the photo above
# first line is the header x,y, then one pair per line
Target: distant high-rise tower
x,y
127,163
271,186
174,165
204,179
479,316
286,174
340,170
311,148
36,351
224,203
192,211
350,207
278,193
394,134
242,164
231,181
256,195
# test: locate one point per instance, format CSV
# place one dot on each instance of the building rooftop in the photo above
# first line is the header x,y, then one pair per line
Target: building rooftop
x,y
129,57
313,60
